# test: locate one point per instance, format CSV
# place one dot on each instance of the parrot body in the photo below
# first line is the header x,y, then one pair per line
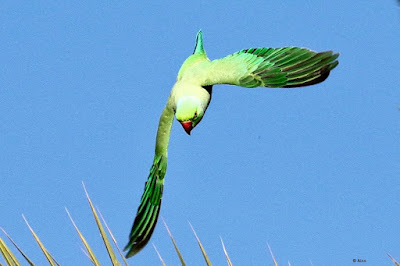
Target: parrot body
x,y
190,96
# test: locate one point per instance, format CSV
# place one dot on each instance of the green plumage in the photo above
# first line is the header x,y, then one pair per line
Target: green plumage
x,y
289,67
270,67
149,208
257,67
150,203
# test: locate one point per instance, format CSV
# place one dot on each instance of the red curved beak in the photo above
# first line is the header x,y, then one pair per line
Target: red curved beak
x,y
187,126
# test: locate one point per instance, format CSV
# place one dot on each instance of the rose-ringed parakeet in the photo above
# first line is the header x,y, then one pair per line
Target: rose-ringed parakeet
x,y
256,67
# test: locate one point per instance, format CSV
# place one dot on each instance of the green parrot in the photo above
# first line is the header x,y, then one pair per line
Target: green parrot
x,y
256,67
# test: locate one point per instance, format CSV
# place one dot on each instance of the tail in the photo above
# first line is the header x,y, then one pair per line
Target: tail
x,y
198,49
149,208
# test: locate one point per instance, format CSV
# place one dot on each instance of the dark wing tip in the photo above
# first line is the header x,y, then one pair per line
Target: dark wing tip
x,y
318,74
138,241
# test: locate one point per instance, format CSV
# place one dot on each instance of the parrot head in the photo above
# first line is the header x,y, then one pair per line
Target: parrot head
x,y
189,112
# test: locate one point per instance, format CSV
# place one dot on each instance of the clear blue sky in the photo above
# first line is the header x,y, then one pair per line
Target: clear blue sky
x,y
314,172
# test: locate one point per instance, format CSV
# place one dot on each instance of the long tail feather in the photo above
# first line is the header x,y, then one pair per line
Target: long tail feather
x,y
149,208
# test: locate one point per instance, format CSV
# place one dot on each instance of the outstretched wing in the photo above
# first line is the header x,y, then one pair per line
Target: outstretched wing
x,y
270,67
150,203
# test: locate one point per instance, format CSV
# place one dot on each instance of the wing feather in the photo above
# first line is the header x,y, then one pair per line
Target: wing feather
x,y
270,67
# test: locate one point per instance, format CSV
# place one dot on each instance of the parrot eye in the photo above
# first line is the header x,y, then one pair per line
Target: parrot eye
x,y
195,114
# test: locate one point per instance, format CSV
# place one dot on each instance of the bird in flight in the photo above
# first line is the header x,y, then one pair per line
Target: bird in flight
x,y
286,67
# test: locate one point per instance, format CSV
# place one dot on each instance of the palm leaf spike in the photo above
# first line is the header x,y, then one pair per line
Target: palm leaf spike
x,y
84,251
17,247
49,258
272,255
112,237
5,251
174,243
103,234
226,253
394,261
7,254
159,255
89,253
201,247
